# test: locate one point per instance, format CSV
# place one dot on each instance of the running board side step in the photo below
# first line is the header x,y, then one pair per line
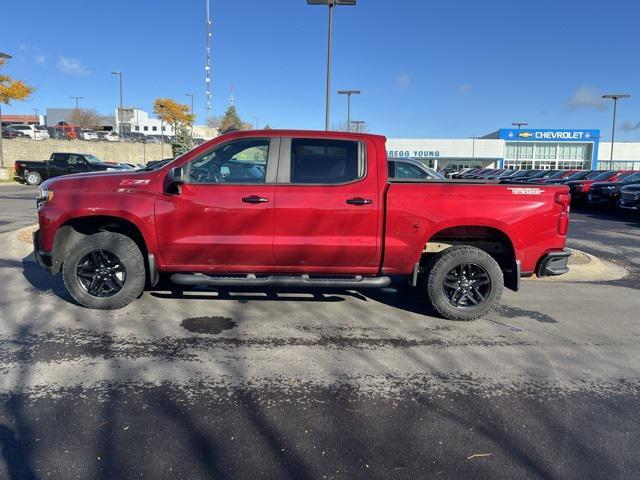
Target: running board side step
x,y
358,281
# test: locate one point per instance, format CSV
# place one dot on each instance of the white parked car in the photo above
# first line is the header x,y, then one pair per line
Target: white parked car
x,y
38,132
87,134
108,136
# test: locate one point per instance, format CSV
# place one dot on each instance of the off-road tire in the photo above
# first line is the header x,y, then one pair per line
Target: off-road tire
x,y
33,178
443,263
116,244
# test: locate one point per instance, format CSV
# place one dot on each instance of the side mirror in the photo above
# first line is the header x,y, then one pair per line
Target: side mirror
x,y
176,179
176,175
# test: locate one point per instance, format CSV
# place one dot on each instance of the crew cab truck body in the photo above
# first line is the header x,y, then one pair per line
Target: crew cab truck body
x,y
296,208
33,173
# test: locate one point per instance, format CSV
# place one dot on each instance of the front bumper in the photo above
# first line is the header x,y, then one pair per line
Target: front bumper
x,y
554,263
629,205
599,199
43,258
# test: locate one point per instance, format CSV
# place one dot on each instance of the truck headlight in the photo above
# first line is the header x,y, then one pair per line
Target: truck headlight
x,y
44,195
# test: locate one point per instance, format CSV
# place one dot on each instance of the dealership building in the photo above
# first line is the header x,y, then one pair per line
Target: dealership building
x,y
549,149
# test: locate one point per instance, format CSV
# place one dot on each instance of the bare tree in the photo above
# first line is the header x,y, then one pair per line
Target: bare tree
x,y
214,122
85,118
341,126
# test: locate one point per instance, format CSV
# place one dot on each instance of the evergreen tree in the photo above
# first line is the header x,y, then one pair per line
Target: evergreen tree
x,y
231,121
182,142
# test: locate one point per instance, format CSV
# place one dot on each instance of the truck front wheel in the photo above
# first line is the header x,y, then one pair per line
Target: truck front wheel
x,y
464,283
104,271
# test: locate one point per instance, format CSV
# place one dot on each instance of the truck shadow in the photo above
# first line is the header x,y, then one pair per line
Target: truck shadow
x,y
398,295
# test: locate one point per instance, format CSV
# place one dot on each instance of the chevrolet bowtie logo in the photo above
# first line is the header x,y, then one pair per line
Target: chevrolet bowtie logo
x,y
525,134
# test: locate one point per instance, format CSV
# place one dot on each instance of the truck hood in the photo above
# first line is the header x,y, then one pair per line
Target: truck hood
x,y
122,178
632,188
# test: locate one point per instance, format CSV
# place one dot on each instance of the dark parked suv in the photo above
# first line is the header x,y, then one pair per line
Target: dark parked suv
x,y
607,194
630,197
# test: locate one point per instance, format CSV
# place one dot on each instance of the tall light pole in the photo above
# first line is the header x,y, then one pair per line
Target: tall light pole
x,y
207,65
519,125
35,134
330,4
121,129
5,56
76,99
348,93
615,98
191,95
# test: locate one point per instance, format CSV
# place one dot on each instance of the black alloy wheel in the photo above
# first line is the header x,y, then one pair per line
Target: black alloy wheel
x,y
466,286
101,273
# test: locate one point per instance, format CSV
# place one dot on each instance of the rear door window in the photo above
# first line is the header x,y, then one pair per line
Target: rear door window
x,y
325,162
406,170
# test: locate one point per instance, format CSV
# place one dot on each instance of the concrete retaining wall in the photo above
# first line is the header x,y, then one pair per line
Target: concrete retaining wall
x,y
27,149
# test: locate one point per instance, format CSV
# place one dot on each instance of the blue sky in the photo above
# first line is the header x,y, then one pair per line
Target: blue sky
x,y
426,68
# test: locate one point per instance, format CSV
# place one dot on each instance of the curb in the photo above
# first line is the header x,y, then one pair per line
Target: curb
x,y
592,270
14,243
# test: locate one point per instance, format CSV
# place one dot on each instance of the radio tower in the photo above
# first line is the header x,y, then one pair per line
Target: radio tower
x,y
207,67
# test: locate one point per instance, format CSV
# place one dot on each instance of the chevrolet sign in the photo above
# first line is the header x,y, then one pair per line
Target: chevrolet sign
x,y
550,135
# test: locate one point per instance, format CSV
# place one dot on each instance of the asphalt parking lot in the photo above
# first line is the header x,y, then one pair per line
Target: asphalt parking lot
x,y
320,384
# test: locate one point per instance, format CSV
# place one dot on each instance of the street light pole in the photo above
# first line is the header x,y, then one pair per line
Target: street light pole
x,y
35,133
331,4
121,129
519,125
615,98
348,93
5,56
76,98
191,95
358,124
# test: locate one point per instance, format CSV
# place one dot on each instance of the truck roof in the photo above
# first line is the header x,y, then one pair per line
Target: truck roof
x,y
300,133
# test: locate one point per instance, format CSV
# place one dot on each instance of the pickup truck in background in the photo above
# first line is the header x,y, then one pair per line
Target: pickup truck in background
x,y
34,172
297,208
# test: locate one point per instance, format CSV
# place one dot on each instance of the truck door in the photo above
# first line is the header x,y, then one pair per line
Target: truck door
x,y
328,207
222,218
58,165
77,163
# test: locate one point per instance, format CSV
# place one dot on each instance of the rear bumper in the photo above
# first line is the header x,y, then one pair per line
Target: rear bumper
x,y
43,258
554,263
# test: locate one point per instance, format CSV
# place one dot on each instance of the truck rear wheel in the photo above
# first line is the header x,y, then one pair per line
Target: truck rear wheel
x,y
464,283
104,271
33,178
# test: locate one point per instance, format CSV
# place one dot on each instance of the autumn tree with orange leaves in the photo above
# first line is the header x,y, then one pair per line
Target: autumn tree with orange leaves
x,y
10,90
173,113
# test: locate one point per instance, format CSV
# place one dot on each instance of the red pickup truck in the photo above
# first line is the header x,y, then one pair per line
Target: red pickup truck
x,y
297,208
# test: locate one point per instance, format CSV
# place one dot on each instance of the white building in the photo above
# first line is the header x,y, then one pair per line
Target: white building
x,y
137,120
521,149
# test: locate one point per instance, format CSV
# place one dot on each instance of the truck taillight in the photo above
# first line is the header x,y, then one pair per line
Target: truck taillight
x,y
563,199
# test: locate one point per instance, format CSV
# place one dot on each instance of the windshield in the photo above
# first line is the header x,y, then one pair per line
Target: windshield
x,y
634,177
581,175
603,176
92,159
625,175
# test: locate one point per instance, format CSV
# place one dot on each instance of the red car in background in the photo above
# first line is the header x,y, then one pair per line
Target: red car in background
x,y
579,189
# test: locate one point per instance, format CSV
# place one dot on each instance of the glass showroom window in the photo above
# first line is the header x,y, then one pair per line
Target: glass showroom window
x,y
573,152
546,151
